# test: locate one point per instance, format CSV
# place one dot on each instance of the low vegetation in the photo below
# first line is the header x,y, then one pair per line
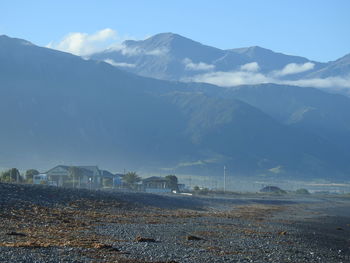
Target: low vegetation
x,y
200,190
30,174
11,175
131,179
302,191
172,182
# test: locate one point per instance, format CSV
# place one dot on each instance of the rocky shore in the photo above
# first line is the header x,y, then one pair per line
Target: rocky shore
x,y
48,224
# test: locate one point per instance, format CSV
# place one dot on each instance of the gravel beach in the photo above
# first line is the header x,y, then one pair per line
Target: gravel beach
x,y
48,224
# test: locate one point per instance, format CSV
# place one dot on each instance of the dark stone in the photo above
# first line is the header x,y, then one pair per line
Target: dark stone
x,y
143,239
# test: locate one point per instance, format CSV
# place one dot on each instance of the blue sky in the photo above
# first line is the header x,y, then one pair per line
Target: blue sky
x,y
318,29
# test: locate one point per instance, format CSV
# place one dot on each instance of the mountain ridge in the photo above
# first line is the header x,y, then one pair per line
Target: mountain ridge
x,y
183,59
60,108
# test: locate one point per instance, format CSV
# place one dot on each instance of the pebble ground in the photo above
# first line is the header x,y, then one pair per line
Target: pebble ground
x,y
47,224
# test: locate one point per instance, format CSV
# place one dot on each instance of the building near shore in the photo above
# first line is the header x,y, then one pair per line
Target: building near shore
x,y
155,184
90,177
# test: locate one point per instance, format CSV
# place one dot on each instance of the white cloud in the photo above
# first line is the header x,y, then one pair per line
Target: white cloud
x,y
243,77
201,66
248,74
294,68
126,51
84,44
136,51
229,79
157,52
252,67
119,64
330,82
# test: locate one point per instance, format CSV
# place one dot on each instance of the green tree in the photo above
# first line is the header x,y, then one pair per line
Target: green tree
x,y
5,177
11,175
302,191
196,188
30,174
172,182
200,190
131,179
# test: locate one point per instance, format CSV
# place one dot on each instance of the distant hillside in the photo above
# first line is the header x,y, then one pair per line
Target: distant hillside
x,y
310,108
59,108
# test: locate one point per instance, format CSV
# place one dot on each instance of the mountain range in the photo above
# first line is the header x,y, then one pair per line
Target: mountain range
x,y
170,56
60,108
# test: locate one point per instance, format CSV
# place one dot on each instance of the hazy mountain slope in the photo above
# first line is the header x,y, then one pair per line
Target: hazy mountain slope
x,y
337,68
59,108
252,140
308,109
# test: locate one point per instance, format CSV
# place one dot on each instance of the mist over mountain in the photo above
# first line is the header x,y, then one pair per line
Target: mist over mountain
x,y
60,108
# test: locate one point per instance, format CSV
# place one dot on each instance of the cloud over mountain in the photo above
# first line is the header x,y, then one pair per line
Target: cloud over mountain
x,y
83,44
249,74
119,64
201,66
294,68
232,78
252,67
136,51
330,82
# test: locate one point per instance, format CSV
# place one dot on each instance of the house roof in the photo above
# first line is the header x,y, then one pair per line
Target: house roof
x,y
65,167
87,170
92,168
105,173
154,179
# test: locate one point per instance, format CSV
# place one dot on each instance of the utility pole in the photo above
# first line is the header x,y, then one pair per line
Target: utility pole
x,y
224,178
